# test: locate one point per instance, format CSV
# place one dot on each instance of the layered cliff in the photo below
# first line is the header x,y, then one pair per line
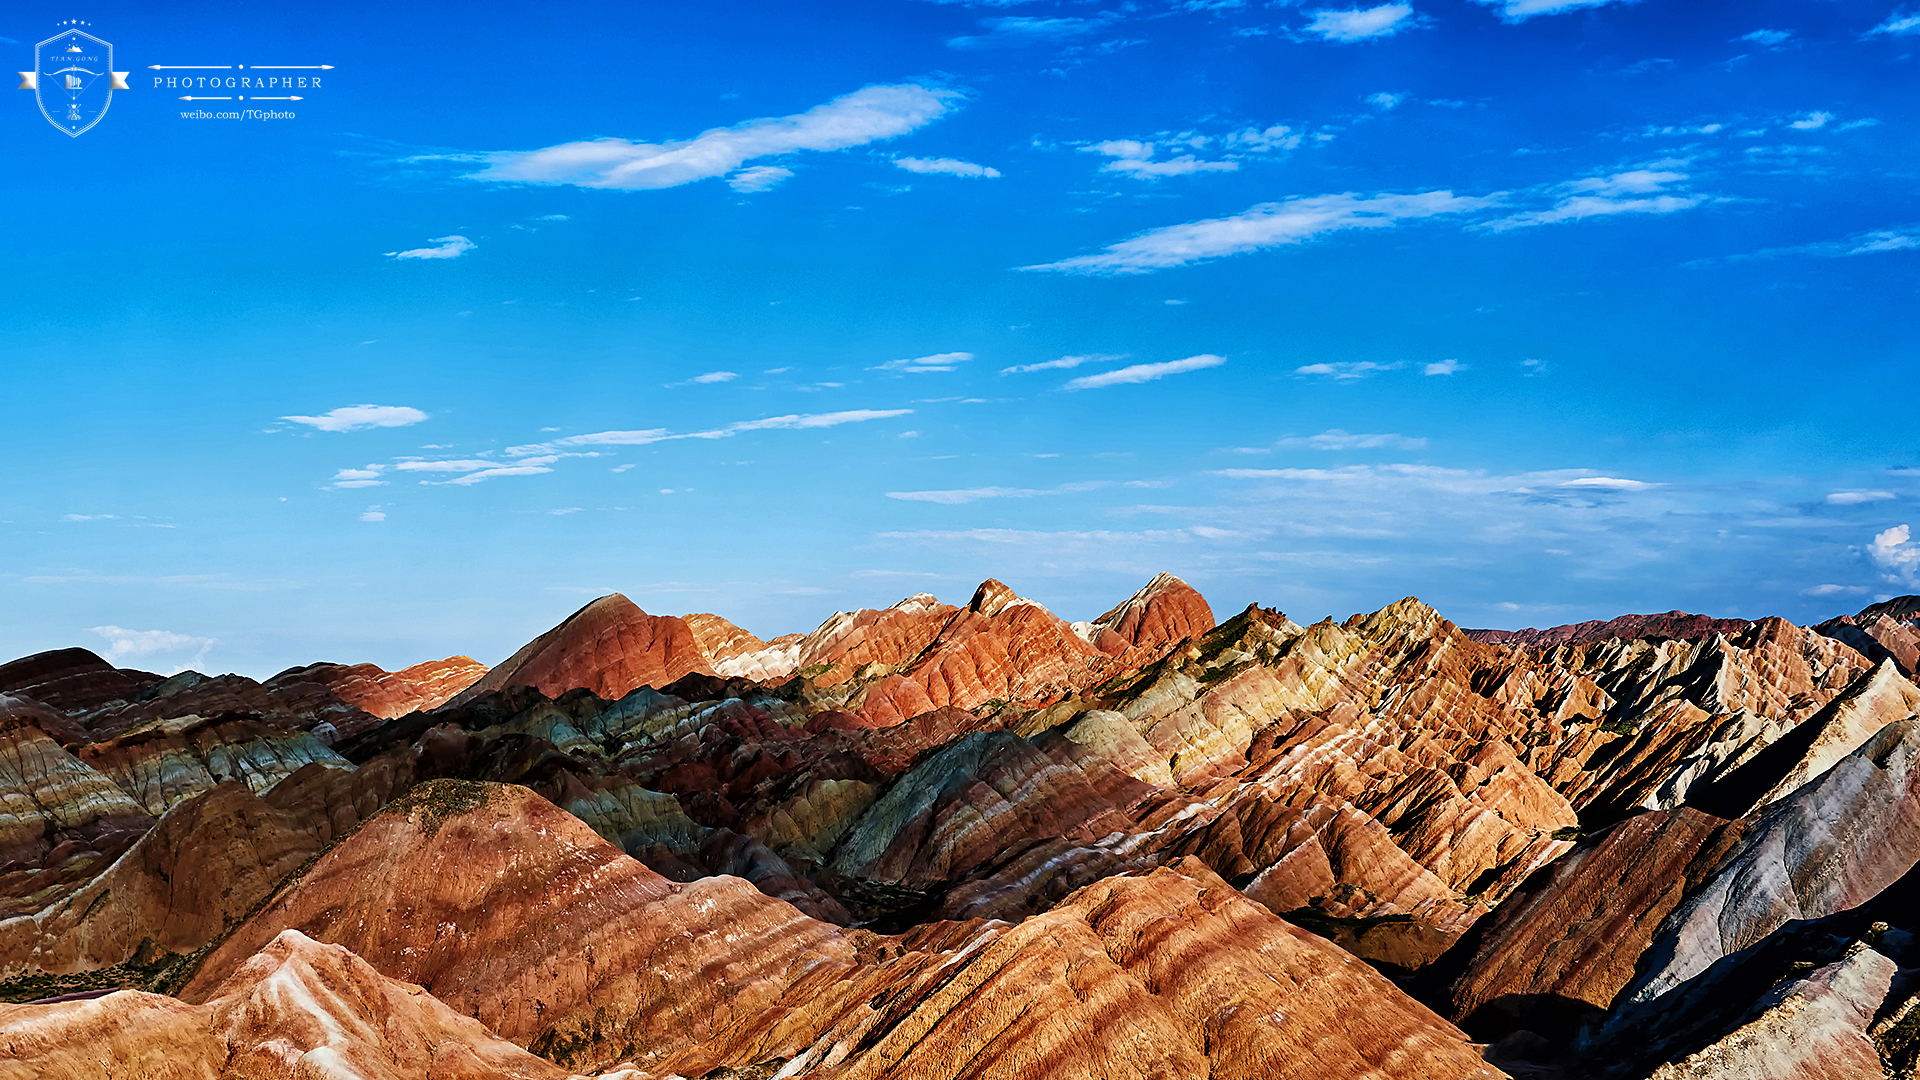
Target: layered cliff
x,y
980,840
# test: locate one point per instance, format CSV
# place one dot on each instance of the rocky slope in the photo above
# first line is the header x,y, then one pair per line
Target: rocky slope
x,y
1672,624
296,1008
979,840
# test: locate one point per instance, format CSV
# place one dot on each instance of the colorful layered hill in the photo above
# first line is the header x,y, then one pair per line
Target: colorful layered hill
x,y
979,840
890,664
1672,624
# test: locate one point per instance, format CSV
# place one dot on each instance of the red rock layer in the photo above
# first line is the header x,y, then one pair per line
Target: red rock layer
x,y
892,664
850,643
608,647
1168,975
1673,624
1164,611
1559,950
173,760
297,1008
1384,780
985,795
1793,863
721,640
623,959
191,694
55,809
389,694
1172,974
71,680
190,878
1006,649
1887,630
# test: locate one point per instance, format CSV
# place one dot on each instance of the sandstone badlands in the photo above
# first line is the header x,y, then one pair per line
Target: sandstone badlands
x,y
978,840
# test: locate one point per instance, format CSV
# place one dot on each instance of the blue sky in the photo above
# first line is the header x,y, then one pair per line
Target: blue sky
x,y
1541,311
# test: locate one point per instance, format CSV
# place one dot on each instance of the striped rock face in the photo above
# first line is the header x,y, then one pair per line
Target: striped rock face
x,y
979,840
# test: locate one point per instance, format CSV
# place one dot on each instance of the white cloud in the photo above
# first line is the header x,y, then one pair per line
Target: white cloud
x,y
1183,165
1121,148
1264,140
1834,590
358,478
1336,439
1444,367
1768,38
1387,478
1607,483
955,498
1346,371
1637,191
451,247
373,513
1015,31
1812,121
1263,226
1886,240
1905,238
89,517
467,465
1900,22
864,116
945,166
967,495
123,643
1064,362
654,435
1384,100
359,417
1097,541
1359,24
1683,129
716,377
1514,11
807,421
937,362
533,466
1854,498
758,178
1139,373
606,438
1134,158
1897,556
535,459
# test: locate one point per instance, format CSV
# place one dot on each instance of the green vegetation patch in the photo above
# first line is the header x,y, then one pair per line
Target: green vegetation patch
x,y
440,800
1900,1045
135,974
1318,921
